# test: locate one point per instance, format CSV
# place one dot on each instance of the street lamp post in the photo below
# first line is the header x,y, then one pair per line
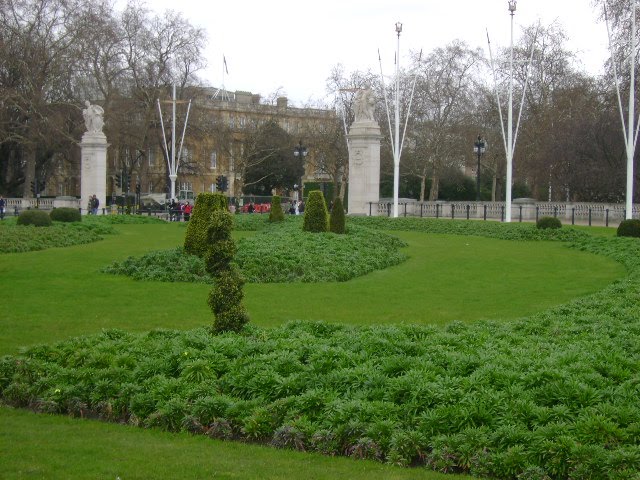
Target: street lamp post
x,y
299,151
512,11
479,147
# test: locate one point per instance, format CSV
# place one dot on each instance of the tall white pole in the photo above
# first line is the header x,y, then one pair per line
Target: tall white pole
x,y
630,125
173,173
507,218
396,150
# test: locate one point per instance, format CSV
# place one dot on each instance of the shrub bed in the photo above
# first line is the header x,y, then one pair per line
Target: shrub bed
x,y
629,228
18,238
278,253
65,214
550,396
548,222
37,218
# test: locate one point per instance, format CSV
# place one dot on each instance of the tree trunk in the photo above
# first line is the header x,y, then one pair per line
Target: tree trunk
x,y
493,188
423,186
435,184
29,171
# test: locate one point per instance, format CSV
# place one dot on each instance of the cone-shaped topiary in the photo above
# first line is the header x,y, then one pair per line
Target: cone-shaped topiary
x,y
316,218
336,220
629,228
195,239
276,214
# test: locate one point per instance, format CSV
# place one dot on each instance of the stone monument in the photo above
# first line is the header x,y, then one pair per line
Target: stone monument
x,y
93,168
364,157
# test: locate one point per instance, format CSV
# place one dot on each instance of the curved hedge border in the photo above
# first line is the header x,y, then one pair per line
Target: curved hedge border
x,y
552,396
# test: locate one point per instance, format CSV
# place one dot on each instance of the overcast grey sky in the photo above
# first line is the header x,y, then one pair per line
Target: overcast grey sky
x,y
295,44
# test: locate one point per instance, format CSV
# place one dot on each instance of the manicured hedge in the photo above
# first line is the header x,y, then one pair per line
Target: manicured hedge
x,y
65,214
37,218
629,228
275,213
548,222
316,218
195,240
337,218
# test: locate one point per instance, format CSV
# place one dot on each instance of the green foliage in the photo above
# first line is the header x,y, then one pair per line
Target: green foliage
x,y
37,218
316,218
629,228
195,240
553,395
276,214
337,218
162,266
15,239
65,214
285,253
225,301
279,253
548,223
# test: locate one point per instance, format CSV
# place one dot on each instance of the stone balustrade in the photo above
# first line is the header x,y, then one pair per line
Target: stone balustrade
x,y
522,210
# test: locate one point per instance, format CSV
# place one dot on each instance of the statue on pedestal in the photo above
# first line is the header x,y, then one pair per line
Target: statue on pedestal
x,y
93,117
364,106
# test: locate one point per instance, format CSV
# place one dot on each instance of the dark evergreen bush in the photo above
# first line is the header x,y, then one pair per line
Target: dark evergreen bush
x,y
336,220
65,214
629,228
316,218
34,217
548,222
225,298
276,214
195,240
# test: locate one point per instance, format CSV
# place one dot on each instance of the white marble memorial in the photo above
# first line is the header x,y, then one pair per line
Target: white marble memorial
x,y
93,169
364,158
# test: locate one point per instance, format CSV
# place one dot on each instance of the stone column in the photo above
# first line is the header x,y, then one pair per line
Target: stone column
x,y
364,167
93,170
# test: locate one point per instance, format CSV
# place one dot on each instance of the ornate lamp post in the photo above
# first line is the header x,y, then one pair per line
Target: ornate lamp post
x,y
479,147
299,151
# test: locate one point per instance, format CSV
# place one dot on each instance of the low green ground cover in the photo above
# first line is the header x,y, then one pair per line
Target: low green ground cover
x,y
280,252
27,238
552,394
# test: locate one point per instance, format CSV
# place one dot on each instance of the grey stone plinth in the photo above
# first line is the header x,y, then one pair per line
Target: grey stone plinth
x,y
93,169
364,168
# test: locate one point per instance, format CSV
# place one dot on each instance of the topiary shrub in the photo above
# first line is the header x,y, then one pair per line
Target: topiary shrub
x,y
37,218
336,219
276,214
225,298
316,217
195,239
548,222
65,214
629,228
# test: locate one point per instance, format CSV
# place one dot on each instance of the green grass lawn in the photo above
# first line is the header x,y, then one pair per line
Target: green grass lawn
x,y
55,294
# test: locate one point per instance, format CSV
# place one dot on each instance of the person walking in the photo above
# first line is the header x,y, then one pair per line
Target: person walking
x,y
3,203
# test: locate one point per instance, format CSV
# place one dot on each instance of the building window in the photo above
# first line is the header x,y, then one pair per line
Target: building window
x,y
186,191
151,155
186,155
213,160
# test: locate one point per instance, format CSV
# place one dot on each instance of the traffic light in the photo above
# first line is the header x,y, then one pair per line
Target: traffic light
x,y
118,180
41,186
225,183
33,187
219,183
138,188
